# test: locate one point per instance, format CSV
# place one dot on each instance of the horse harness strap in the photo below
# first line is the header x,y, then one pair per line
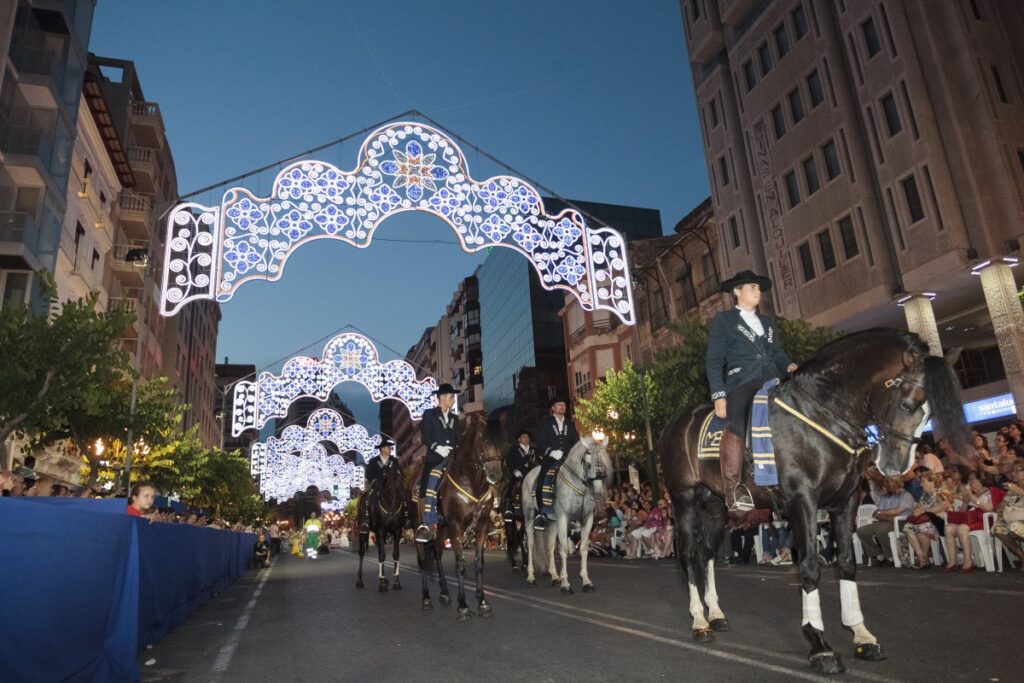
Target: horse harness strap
x,y
817,427
386,511
463,491
571,485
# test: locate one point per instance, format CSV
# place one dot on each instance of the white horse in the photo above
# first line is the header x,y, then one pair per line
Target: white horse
x,y
579,489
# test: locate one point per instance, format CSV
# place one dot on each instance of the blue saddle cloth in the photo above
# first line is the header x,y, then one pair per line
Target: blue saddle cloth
x,y
765,473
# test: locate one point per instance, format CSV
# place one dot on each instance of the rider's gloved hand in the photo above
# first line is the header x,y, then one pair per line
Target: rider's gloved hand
x,y
557,455
443,451
518,475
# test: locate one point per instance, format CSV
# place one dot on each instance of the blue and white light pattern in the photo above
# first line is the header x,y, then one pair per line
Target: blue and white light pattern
x,y
298,459
348,357
211,251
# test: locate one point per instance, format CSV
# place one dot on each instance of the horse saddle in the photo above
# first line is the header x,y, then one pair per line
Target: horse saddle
x,y
760,451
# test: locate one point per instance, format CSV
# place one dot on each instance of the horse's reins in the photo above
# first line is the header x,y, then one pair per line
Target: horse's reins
x,y
587,483
859,445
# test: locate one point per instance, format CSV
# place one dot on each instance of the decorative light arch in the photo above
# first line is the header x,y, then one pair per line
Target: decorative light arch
x,y
348,357
212,250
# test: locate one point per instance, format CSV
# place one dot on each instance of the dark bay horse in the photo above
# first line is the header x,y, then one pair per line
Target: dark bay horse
x,y
465,497
386,513
515,531
881,378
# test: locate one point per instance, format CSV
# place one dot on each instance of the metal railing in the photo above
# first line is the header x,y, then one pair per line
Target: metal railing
x,y
140,154
146,109
130,201
577,335
707,288
124,304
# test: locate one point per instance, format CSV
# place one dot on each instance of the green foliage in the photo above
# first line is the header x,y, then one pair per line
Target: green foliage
x,y
801,339
350,508
55,366
617,408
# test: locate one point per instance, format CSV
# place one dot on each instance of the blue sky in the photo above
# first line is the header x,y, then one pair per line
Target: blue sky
x,y
592,99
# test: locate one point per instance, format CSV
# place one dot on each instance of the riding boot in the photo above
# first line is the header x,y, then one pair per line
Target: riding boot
x,y
731,460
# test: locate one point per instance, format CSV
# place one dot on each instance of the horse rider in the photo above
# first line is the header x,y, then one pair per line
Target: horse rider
x,y
440,433
556,435
376,470
744,351
519,459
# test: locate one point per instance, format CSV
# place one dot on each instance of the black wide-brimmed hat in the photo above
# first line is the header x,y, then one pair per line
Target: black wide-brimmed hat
x,y
558,399
523,431
386,442
445,389
745,277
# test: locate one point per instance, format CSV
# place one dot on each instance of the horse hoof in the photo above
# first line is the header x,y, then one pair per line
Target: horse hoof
x,y
531,583
382,588
869,652
828,663
515,567
720,624
556,582
463,614
588,588
567,590
703,635
427,605
485,610
397,586
359,584
445,599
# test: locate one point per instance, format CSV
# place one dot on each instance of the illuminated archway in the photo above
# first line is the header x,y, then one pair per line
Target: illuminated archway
x,y
212,250
348,357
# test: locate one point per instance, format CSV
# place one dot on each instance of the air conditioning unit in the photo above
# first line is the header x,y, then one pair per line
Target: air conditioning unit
x,y
86,189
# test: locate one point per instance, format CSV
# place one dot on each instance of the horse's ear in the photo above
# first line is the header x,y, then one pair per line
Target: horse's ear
x,y
953,355
911,359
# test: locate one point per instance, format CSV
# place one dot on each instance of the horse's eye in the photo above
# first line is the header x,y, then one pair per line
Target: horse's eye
x,y
907,406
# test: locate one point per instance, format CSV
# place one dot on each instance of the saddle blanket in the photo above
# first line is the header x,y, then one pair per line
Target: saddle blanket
x,y
765,472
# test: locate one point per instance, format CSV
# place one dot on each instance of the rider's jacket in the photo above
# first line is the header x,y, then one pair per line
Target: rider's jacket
x,y
738,355
552,438
376,469
517,461
435,431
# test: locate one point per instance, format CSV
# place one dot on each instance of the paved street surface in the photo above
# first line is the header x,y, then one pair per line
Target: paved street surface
x,y
305,621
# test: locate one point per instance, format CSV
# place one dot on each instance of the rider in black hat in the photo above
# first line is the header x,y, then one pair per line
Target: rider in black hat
x,y
520,458
440,433
744,351
556,435
375,471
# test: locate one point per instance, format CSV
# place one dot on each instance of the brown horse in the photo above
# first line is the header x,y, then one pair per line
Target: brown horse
x,y
880,379
465,497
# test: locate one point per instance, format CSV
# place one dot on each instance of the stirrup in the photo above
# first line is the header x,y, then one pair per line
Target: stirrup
x,y
742,503
540,523
364,528
508,517
424,534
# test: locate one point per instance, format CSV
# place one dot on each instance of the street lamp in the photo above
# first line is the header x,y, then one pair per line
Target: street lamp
x,y
140,259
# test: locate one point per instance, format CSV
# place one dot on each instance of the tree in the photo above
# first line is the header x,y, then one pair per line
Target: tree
x,y
680,371
51,365
617,409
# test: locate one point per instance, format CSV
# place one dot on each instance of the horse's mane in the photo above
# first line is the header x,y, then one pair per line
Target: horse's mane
x,y
854,342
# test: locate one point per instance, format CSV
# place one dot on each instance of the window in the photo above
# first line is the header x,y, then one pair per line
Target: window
x,y
764,58
849,237
88,169
792,189
1020,158
778,122
799,17
713,108
79,234
831,154
814,89
734,231
909,109
975,10
796,106
811,175
913,199
871,37
828,254
14,287
723,170
695,7
781,40
1000,90
95,259
892,114
807,261
748,75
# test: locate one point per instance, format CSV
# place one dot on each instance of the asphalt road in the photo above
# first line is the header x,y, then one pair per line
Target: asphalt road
x,y
305,621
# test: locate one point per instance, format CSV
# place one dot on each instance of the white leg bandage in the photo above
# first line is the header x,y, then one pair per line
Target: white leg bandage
x,y
697,609
380,574
396,570
711,595
812,609
850,601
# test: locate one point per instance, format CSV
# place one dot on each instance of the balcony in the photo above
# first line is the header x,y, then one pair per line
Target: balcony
x,y
576,336
22,234
147,124
133,211
583,390
124,304
707,288
27,140
128,274
143,163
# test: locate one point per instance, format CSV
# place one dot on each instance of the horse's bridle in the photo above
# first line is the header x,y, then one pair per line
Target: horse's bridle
x,y
599,474
885,429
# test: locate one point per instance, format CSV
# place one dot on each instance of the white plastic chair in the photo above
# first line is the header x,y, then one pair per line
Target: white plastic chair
x,y
998,545
983,537
894,540
864,517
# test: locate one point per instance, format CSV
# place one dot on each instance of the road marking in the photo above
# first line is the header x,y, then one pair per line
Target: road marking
x,y
223,660
566,611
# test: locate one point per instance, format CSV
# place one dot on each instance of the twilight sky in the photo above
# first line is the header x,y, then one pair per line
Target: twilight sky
x,y
590,98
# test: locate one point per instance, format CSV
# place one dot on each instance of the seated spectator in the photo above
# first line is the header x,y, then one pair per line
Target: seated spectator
x,y
928,457
893,501
912,481
1003,457
1009,526
664,536
11,484
140,500
777,544
922,526
967,507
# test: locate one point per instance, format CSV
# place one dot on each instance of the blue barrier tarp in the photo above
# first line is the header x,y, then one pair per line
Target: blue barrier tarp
x,y
87,586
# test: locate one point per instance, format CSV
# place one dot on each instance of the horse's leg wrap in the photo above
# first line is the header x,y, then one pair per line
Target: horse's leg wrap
x,y
380,573
812,609
850,601
711,594
700,622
